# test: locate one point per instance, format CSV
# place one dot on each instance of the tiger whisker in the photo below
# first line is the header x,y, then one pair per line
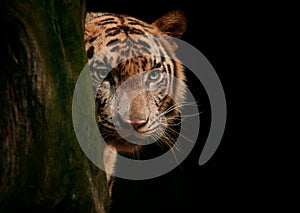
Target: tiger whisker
x,y
156,136
182,119
176,106
176,132
190,115
173,146
169,143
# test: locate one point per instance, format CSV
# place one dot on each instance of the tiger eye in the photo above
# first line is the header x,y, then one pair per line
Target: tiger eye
x,y
102,73
154,75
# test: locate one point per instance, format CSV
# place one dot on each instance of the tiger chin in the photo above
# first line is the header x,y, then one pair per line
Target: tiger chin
x,y
133,70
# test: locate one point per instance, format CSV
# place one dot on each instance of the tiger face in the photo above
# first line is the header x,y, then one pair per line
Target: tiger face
x,y
137,78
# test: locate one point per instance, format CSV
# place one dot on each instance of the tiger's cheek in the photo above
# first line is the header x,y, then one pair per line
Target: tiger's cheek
x,y
153,106
157,99
154,119
103,102
105,114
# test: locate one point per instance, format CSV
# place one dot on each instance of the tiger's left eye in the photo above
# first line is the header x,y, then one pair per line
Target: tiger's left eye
x,y
154,75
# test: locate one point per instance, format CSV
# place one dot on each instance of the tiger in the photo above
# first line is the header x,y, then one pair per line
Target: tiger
x,y
131,48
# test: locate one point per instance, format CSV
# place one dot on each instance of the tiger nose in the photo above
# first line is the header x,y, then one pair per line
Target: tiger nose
x,y
136,123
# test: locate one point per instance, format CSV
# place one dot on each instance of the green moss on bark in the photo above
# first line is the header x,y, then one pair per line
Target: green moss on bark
x,y
42,166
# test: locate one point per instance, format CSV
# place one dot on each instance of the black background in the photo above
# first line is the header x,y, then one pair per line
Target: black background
x,y
238,40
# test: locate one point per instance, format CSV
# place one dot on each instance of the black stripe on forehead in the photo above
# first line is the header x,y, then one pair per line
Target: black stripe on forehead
x,y
107,19
127,30
108,22
113,42
112,31
136,31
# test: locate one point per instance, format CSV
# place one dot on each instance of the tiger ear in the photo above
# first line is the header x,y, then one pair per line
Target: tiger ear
x,y
91,30
173,23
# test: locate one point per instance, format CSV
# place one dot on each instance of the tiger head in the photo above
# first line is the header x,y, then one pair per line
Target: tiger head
x,y
136,76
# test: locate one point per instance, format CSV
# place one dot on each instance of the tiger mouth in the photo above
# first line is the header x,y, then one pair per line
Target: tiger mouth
x,y
129,141
125,139
137,137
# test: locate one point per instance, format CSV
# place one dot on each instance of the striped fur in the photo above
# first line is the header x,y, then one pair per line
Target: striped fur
x,y
121,47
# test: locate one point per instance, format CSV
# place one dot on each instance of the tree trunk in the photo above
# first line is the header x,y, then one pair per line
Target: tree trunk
x,y
42,165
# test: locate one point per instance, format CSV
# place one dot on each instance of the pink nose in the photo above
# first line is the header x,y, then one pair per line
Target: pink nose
x,y
136,123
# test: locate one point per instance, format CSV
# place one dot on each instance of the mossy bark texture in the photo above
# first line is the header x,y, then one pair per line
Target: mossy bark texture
x,y
42,166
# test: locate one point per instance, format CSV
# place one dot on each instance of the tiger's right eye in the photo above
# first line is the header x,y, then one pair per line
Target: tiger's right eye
x,y
102,73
